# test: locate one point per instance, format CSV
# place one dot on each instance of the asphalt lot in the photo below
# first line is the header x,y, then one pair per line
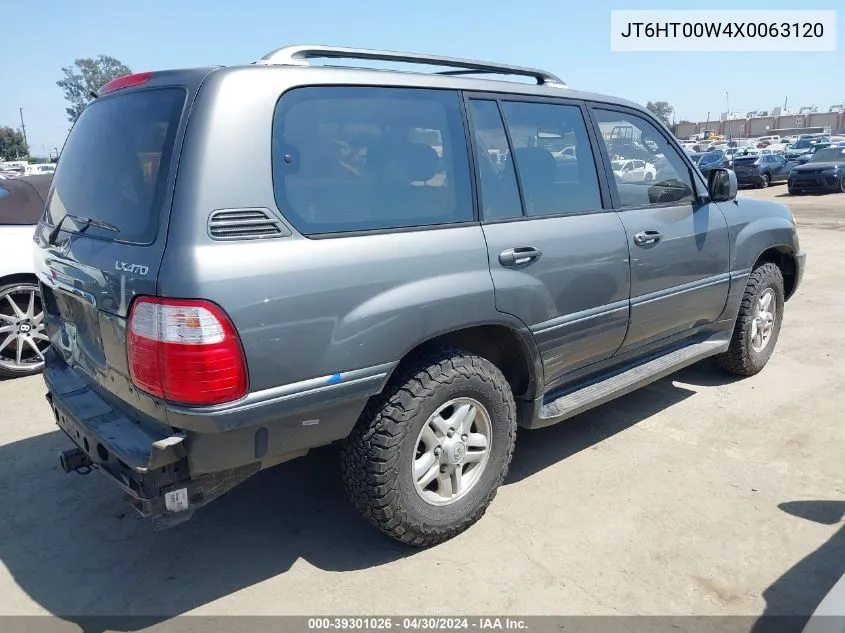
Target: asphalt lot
x,y
699,494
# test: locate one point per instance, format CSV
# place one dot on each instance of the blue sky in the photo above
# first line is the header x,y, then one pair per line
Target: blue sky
x,y
570,38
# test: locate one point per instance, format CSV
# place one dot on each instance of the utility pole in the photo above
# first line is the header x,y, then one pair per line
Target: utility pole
x,y
728,118
23,130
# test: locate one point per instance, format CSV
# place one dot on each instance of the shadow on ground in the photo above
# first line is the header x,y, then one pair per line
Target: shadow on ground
x,y
800,590
78,551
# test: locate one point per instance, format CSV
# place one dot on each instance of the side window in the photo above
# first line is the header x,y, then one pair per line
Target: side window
x,y
499,191
365,158
553,158
665,178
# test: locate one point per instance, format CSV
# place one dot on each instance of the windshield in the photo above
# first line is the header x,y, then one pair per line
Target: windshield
x,y
115,162
804,143
828,155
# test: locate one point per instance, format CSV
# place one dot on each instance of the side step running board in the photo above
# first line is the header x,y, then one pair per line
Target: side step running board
x,y
617,385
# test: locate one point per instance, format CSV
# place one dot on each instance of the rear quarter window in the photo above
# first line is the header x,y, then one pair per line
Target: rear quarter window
x,y
368,158
115,163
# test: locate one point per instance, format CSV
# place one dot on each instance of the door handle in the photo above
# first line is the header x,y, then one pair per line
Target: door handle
x,y
647,239
519,256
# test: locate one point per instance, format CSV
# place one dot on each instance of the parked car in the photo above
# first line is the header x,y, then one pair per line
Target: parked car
x,y
23,339
696,156
415,308
761,171
634,170
40,168
763,141
825,171
801,160
777,148
802,146
716,159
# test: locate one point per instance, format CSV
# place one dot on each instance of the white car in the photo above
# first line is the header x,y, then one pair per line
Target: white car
x,y
634,170
23,340
40,168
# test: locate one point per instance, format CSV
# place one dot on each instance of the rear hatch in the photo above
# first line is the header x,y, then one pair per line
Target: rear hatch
x,y
102,237
745,164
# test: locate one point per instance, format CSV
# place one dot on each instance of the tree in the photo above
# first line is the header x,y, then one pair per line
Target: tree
x,y
87,76
661,109
12,145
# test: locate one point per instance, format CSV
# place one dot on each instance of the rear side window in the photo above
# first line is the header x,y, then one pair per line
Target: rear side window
x,y
115,163
553,158
364,158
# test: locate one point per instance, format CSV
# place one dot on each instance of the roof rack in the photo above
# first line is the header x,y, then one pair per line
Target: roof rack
x,y
299,56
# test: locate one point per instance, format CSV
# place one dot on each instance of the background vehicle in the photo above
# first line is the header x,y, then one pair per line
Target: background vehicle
x,y
825,171
22,336
761,171
414,304
634,170
40,168
716,159
803,146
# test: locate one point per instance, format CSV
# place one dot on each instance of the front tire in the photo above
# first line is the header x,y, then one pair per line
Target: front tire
x,y
758,323
765,181
428,455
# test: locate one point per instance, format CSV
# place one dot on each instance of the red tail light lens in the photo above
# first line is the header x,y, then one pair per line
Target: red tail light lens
x,y
127,81
185,351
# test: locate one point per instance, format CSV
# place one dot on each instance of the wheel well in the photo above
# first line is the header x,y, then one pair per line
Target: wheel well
x,y
497,343
18,278
784,259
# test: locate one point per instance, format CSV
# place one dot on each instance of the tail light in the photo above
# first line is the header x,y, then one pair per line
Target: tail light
x,y
185,351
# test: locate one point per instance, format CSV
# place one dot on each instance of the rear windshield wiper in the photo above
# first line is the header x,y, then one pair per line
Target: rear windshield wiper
x,y
84,222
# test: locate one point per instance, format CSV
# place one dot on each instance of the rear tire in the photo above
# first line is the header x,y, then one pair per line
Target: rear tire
x,y
385,463
765,180
758,323
842,184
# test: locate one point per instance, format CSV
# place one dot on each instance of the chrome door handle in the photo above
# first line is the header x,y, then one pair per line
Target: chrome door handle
x,y
519,256
647,238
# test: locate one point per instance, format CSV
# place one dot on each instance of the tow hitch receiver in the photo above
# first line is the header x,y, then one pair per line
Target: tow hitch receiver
x,y
75,460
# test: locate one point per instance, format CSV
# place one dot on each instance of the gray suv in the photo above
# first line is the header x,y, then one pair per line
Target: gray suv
x,y
241,264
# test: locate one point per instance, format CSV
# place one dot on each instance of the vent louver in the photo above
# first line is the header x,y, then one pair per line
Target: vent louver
x,y
244,224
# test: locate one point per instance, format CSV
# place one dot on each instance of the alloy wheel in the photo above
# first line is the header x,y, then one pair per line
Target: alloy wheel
x,y
23,339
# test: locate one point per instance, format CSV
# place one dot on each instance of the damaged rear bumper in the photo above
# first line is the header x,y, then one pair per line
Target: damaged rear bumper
x,y
145,458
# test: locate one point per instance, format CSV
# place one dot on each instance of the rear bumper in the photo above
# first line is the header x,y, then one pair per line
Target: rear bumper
x,y
748,179
168,472
146,460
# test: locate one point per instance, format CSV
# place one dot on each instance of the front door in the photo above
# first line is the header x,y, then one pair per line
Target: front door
x,y
558,255
679,246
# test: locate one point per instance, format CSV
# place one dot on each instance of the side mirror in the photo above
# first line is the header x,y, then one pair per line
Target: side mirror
x,y
722,185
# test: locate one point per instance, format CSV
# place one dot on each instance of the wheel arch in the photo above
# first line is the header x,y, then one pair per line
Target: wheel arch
x,y
509,347
18,278
783,257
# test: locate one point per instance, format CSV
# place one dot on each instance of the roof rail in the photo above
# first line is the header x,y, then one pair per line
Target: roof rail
x,y
299,56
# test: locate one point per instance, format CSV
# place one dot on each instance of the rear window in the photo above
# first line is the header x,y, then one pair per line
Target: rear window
x,y
364,158
115,162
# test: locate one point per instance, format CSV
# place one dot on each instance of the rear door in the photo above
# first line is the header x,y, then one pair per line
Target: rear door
x,y
557,255
102,236
679,243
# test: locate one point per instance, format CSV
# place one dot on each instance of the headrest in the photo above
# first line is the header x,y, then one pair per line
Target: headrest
x,y
536,164
402,162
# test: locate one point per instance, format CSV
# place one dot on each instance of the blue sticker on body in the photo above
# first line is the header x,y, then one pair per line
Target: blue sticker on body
x,y
333,379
